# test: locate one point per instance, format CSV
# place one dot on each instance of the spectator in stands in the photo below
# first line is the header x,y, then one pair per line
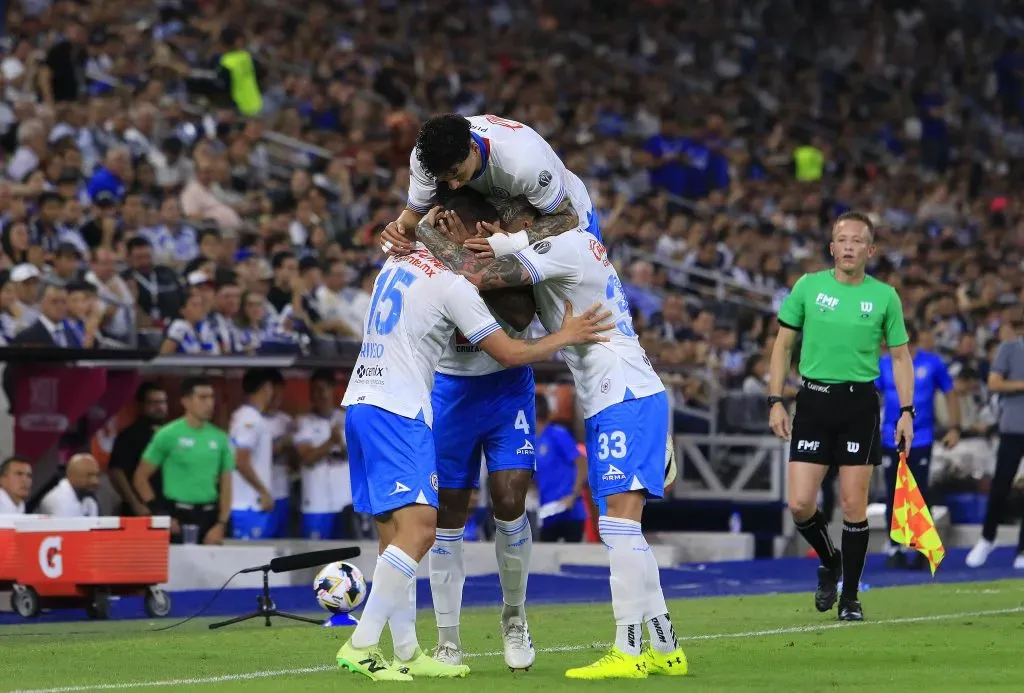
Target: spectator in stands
x,y
115,296
17,245
75,494
286,270
198,201
103,229
332,303
358,298
25,278
157,287
196,462
43,228
113,176
62,78
175,243
65,266
85,315
755,375
191,333
227,305
561,478
15,485
639,289
131,442
30,152
11,312
48,329
973,457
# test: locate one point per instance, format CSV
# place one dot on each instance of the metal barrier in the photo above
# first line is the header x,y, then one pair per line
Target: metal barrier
x,y
703,461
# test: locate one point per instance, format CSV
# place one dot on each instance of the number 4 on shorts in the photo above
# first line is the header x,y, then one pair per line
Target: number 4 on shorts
x,y
521,423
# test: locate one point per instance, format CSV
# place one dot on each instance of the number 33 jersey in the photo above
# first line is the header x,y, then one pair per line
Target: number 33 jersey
x,y
574,267
416,305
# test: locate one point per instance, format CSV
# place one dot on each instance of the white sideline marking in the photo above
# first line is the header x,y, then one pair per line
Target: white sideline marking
x,y
566,648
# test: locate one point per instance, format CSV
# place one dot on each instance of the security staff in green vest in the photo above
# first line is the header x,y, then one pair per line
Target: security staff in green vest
x,y
239,73
809,162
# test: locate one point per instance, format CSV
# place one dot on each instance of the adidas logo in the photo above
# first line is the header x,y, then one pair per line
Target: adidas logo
x,y
527,448
613,474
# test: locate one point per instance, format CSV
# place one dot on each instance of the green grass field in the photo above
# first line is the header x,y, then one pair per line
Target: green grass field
x,y
948,637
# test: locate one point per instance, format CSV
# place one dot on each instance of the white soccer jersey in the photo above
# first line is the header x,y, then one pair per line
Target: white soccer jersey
x,y
249,431
516,161
574,267
461,357
326,487
417,303
279,423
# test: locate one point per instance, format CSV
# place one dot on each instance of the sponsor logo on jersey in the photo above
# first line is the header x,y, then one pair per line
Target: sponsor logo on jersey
x,y
544,179
424,261
541,247
599,252
526,449
826,302
613,474
463,345
371,350
370,374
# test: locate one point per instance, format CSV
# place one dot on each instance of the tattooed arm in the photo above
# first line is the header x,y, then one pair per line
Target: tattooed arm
x,y
484,274
563,218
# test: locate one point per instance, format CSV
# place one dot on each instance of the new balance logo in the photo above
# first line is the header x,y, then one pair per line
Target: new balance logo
x,y
808,445
399,488
613,474
527,448
372,665
852,447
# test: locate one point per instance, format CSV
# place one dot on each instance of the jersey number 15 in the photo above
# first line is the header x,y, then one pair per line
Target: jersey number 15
x,y
390,286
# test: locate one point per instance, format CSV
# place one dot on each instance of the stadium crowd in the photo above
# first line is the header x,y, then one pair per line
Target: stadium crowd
x,y
147,200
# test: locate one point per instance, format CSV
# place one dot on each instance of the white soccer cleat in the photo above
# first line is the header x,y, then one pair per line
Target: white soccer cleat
x,y
448,653
1018,562
980,553
519,652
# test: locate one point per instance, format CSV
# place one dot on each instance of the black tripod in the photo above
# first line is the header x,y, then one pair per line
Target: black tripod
x,y
265,607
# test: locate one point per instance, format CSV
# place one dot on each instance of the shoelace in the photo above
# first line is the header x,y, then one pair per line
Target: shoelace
x,y
612,656
517,632
445,651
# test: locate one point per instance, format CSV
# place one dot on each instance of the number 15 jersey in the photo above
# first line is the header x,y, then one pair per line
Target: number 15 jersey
x,y
416,305
574,267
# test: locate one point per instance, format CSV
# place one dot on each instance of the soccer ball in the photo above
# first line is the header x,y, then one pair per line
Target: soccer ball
x,y
339,587
670,461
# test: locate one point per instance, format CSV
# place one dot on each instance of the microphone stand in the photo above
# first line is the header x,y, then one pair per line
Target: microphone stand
x,y
265,607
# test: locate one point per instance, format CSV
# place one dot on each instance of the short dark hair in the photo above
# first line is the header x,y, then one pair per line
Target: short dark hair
x,y
143,391
138,242
191,384
323,375
443,143
856,216
6,464
308,263
279,258
82,286
255,378
471,206
543,408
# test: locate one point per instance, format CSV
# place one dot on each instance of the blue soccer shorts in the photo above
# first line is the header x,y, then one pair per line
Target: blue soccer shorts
x,y
494,414
320,526
391,460
252,524
626,448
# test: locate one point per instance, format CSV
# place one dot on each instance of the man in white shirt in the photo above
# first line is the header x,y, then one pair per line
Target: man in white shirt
x,y
252,503
15,485
416,307
320,441
74,496
280,423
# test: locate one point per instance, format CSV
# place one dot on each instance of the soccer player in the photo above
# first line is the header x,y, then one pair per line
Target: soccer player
x,y
252,503
280,424
415,307
481,406
844,315
930,378
503,160
626,412
320,440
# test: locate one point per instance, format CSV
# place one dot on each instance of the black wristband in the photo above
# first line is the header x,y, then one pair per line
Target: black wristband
x,y
773,400
909,409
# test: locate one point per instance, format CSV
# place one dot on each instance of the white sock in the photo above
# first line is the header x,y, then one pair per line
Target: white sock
x,y
663,634
513,542
659,626
626,548
392,590
447,579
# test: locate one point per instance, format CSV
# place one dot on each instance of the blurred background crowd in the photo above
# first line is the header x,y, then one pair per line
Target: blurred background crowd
x,y
210,176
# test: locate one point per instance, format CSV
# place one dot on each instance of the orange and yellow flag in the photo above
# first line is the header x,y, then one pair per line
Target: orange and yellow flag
x,y
912,524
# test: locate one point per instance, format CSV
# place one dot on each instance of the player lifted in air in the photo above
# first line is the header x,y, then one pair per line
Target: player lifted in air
x,y
415,307
480,406
626,411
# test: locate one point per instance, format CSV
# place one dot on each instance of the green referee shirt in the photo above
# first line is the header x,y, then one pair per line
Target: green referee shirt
x,y
843,325
191,460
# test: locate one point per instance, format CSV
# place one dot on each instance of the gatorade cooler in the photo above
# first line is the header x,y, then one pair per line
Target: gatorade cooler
x,y
76,562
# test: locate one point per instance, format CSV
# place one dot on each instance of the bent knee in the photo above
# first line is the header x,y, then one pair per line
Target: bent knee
x,y
803,508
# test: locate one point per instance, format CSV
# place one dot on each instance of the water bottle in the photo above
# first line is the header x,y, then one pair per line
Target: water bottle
x,y
735,524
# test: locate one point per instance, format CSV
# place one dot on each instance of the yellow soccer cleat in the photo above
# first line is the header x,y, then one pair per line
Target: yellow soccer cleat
x,y
614,665
659,664
370,663
423,666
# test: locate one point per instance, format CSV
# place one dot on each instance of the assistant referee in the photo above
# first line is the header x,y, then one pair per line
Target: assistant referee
x,y
844,315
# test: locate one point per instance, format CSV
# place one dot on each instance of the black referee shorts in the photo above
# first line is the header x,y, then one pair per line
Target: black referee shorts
x,y
837,424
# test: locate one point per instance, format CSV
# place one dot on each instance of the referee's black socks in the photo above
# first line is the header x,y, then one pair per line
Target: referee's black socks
x,y
815,531
855,551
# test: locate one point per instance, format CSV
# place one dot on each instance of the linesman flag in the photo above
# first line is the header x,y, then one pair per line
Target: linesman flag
x,y
912,524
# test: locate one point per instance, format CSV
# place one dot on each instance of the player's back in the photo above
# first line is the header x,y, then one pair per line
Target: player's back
x,y
405,333
574,267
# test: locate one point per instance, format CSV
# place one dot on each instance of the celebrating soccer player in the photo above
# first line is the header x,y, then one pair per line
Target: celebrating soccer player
x,y
416,306
626,412
844,316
